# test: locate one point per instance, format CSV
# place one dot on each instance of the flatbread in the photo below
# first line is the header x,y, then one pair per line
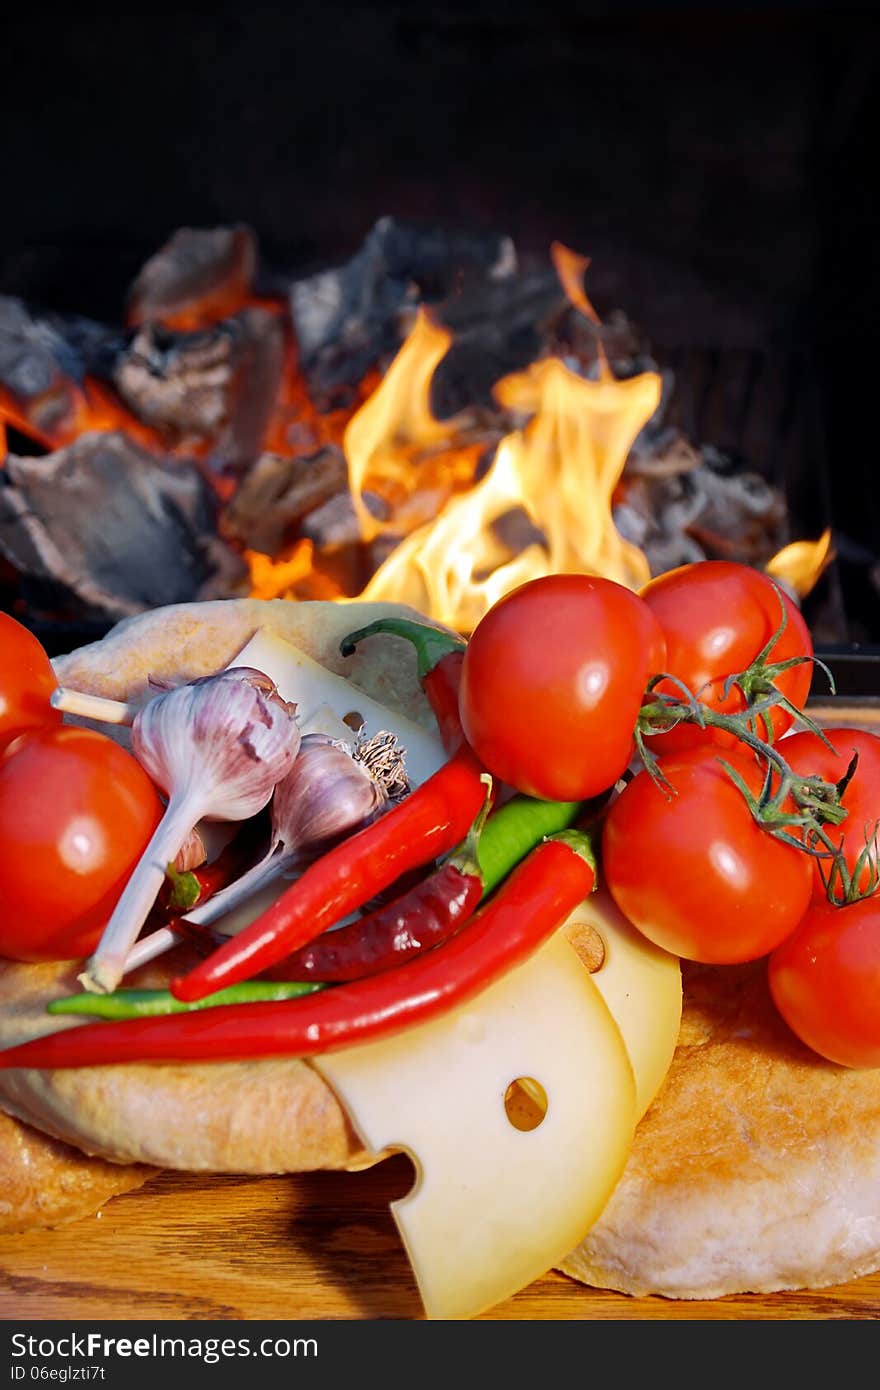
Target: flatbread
x,y
45,1183
757,1167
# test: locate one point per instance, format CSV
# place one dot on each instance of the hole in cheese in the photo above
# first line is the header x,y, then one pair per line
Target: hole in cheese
x,y
588,943
525,1103
354,720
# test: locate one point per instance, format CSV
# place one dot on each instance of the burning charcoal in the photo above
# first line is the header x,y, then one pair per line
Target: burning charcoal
x,y
217,385
44,360
661,455
115,527
335,525
33,354
276,493
347,317
707,511
37,367
198,276
498,327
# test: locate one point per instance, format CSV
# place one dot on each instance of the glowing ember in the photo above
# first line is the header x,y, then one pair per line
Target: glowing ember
x,y
801,564
64,414
294,574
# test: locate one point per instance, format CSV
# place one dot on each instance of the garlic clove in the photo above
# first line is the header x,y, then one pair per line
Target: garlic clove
x,y
217,747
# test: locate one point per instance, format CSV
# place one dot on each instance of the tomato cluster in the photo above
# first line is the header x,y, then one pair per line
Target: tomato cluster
x,y
702,845
76,812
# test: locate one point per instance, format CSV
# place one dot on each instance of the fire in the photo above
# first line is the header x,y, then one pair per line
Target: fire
x,y
396,447
66,412
802,564
555,478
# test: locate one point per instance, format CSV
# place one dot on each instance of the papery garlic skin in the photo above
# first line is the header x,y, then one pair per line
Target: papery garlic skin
x,y
216,747
192,853
327,793
331,790
225,732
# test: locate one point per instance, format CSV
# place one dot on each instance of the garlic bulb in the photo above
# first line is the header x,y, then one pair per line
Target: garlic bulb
x,y
331,790
217,747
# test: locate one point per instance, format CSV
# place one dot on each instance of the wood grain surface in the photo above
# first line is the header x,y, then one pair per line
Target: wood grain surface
x,y
313,1246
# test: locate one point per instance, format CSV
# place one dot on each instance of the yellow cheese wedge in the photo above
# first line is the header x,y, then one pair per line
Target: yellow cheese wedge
x,y
640,983
314,690
495,1206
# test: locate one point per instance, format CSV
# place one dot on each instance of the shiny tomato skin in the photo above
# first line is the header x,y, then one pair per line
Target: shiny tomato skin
x,y
807,754
825,981
76,813
695,872
552,681
717,616
26,682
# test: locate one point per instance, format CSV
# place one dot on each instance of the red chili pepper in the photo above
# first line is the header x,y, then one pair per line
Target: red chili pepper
x,y
434,909
184,889
423,918
532,903
440,656
432,820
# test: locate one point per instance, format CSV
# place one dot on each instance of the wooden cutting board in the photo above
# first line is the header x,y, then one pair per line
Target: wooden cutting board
x,y
313,1246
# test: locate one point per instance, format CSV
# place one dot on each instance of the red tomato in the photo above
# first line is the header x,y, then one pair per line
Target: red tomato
x,y
807,754
717,616
552,681
695,872
825,981
76,813
26,682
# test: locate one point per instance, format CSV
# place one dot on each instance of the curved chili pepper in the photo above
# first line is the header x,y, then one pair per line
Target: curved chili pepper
x,y
529,907
436,908
430,822
440,656
184,889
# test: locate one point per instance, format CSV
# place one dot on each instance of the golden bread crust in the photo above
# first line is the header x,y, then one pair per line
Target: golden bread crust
x,y
267,1116
46,1183
756,1169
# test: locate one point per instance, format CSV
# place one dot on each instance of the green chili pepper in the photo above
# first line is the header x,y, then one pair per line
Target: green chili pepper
x,y
147,1003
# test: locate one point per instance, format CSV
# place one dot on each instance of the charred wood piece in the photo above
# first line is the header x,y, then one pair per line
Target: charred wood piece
x,y
114,527
44,360
499,326
695,506
216,386
198,276
346,318
277,493
335,526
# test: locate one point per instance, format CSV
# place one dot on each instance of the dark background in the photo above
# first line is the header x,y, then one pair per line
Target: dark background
x,y
717,163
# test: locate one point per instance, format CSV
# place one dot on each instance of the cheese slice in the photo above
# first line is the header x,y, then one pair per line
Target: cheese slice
x,y
495,1206
316,691
641,984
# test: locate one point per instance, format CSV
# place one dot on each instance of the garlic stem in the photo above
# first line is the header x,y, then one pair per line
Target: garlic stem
x,y
104,968
150,947
92,706
270,867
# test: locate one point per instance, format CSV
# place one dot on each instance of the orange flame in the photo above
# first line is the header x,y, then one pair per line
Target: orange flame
x,y
68,410
802,564
558,474
395,446
561,471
